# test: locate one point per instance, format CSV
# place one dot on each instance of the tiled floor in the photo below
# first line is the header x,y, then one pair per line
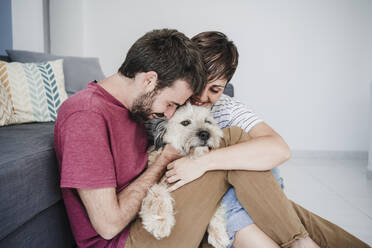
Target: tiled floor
x,y
337,190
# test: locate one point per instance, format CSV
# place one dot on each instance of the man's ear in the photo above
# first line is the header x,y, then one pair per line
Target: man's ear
x,y
150,81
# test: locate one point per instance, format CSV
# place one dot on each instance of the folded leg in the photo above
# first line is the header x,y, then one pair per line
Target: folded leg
x,y
325,233
195,204
282,220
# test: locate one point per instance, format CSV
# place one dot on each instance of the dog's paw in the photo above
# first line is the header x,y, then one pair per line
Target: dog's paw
x,y
157,211
217,231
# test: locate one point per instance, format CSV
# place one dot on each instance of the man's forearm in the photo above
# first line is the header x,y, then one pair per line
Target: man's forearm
x,y
130,198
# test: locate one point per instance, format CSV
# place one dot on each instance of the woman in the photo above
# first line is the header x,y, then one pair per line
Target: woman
x,y
221,59
218,54
264,151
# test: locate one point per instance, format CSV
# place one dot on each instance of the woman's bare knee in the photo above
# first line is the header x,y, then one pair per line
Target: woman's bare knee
x,y
304,243
252,237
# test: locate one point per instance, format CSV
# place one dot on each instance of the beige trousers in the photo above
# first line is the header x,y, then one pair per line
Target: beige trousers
x,y
259,193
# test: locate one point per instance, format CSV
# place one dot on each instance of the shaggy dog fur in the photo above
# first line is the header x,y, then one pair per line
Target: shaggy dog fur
x,y
192,132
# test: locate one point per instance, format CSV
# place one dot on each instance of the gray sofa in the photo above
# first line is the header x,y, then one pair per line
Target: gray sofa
x,y
32,213
31,210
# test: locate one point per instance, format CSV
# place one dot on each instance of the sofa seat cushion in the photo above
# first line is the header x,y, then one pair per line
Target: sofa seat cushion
x,y
29,180
50,228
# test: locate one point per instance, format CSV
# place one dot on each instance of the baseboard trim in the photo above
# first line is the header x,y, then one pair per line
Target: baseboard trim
x,y
369,169
369,174
357,155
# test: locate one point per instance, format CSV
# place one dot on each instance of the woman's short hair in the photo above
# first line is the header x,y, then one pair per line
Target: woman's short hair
x,y
220,55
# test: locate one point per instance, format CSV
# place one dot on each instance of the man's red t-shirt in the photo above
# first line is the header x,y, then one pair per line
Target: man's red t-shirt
x,y
98,145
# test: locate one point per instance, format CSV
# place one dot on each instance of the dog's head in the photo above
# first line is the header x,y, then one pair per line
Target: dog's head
x,y
190,127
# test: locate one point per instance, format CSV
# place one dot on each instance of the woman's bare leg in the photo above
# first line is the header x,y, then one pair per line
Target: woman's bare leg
x,y
304,243
252,237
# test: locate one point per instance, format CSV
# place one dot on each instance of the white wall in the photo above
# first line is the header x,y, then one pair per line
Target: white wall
x,y
67,27
28,25
369,167
304,65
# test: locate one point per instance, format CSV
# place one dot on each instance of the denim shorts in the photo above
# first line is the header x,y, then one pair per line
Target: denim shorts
x,y
236,216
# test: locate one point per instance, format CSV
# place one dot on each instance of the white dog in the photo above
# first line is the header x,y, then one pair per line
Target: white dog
x,y
192,132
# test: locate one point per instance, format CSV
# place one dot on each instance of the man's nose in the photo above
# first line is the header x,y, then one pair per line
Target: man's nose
x,y
169,113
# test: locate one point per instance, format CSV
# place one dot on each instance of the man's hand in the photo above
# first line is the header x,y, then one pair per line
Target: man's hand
x,y
170,153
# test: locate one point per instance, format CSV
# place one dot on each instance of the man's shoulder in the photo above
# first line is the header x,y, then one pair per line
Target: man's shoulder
x,y
85,101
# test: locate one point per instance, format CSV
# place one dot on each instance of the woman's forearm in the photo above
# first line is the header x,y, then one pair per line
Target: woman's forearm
x,y
260,153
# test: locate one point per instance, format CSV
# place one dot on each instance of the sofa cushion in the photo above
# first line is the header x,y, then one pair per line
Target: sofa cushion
x,y
36,91
4,58
229,90
28,173
50,228
78,71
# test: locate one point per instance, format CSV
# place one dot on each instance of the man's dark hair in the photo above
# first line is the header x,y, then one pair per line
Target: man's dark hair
x,y
171,55
220,55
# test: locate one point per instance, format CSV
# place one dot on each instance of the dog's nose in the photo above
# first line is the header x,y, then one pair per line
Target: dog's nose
x,y
204,135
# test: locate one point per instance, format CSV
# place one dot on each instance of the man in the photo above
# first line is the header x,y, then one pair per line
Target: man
x,y
101,145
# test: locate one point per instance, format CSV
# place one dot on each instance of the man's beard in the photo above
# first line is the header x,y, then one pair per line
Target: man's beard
x,y
141,109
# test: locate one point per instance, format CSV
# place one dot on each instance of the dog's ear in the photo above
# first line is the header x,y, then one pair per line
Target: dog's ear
x,y
188,104
159,129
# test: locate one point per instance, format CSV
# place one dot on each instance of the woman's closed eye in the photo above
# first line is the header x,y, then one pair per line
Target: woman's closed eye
x,y
216,90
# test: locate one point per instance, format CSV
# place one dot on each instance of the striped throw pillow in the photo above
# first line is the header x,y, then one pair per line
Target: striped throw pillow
x,y
31,92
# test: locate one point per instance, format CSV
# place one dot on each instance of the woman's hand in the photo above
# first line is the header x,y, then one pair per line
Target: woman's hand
x,y
182,171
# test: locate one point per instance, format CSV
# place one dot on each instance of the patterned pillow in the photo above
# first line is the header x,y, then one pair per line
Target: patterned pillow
x,y
31,92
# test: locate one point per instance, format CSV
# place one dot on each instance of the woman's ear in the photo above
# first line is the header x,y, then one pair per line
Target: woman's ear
x,y
150,81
